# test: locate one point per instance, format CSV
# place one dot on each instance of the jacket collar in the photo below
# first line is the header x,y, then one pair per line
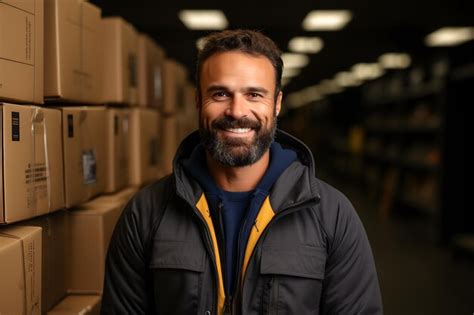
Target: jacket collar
x,y
295,185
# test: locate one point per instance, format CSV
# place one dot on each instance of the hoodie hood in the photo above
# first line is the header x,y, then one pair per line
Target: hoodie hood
x,y
293,158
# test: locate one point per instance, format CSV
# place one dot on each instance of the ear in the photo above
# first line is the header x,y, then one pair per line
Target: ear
x,y
278,103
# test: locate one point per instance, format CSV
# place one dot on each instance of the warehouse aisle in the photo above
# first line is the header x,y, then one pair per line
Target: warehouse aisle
x,y
416,275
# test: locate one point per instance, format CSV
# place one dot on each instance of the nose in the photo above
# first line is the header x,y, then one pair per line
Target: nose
x,y
237,107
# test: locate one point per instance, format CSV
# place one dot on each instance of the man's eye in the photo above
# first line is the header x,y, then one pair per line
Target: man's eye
x,y
255,95
220,94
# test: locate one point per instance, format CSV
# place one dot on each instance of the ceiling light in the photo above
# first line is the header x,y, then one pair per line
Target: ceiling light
x,y
290,72
346,79
367,71
326,20
203,19
450,36
395,61
313,93
310,45
329,87
294,60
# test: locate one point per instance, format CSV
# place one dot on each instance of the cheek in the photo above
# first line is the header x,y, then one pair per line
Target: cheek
x,y
206,117
264,114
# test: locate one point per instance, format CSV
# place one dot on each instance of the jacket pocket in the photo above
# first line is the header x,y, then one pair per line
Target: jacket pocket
x,y
177,268
294,279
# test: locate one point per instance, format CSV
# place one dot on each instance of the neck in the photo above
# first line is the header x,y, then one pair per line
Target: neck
x,y
244,178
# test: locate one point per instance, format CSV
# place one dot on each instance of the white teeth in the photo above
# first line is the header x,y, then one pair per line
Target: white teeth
x,y
238,130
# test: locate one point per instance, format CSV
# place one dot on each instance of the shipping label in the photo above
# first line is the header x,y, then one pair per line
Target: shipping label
x,y
89,167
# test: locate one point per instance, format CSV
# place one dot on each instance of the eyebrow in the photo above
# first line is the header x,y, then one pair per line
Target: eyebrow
x,y
214,88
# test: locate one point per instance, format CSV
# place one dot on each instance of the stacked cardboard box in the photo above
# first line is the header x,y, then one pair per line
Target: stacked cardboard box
x,y
84,153
73,57
87,251
120,51
144,147
32,182
78,304
117,149
55,236
21,51
175,104
150,64
187,119
105,88
20,258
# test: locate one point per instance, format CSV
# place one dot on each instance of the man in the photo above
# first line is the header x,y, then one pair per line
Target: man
x,y
242,225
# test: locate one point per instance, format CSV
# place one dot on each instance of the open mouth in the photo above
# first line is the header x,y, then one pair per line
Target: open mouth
x,y
238,130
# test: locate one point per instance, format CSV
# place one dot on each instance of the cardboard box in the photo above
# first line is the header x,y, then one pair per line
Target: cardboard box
x,y
117,149
78,305
54,251
120,50
21,51
20,261
169,143
84,139
150,63
188,119
91,227
174,80
121,197
32,165
72,51
144,145
190,108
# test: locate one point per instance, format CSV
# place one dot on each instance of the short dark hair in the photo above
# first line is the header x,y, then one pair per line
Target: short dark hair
x,y
246,41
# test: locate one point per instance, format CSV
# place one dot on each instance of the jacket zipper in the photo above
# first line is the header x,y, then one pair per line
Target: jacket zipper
x,y
228,303
227,306
238,270
222,245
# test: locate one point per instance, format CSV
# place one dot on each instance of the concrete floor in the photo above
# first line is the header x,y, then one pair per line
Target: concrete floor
x,y
416,274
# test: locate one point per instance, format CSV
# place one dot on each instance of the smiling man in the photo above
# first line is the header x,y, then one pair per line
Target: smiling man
x,y
242,225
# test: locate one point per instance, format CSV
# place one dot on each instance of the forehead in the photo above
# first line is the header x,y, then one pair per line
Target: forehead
x,y
237,68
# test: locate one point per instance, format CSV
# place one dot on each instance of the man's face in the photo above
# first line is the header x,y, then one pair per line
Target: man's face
x,y
238,109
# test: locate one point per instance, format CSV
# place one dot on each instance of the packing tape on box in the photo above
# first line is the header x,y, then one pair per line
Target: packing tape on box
x,y
38,119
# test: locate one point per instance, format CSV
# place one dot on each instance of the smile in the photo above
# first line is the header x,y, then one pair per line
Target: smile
x,y
238,130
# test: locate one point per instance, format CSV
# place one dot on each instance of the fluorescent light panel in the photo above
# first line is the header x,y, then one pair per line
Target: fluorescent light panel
x,y
346,79
291,60
326,20
395,60
450,36
329,87
310,45
367,71
203,19
290,72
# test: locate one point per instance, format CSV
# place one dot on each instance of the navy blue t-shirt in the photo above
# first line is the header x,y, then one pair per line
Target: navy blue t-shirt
x,y
233,213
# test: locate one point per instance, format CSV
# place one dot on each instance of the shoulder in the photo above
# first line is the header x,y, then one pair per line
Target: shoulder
x,y
146,207
153,194
336,213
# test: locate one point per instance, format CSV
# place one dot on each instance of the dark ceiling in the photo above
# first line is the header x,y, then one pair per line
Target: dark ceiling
x,y
377,27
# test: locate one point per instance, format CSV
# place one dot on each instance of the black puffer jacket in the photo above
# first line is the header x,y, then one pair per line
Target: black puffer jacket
x,y
307,252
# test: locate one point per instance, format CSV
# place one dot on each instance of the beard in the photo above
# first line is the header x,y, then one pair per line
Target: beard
x,y
237,152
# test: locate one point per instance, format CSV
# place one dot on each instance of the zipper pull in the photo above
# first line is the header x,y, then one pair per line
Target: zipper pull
x,y
227,306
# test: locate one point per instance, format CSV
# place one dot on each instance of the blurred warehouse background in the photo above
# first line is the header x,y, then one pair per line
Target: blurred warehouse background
x,y
105,93
378,90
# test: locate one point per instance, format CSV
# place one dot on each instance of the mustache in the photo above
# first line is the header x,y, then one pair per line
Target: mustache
x,y
228,122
